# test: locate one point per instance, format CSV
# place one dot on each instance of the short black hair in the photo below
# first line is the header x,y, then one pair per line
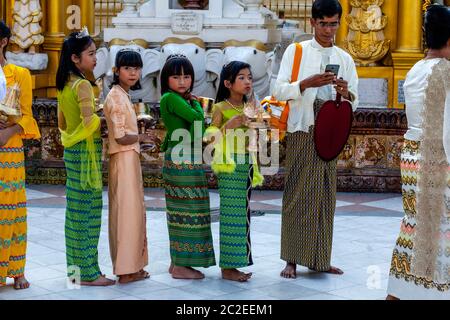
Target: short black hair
x,y
176,65
5,32
127,58
437,26
326,8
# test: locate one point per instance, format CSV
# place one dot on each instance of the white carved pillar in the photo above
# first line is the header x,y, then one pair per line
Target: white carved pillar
x,y
129,8
251,8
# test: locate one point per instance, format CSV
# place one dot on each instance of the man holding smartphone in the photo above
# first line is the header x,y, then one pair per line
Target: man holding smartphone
x,y
309,198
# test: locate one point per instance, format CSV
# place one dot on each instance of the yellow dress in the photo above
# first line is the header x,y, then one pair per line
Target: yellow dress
x,y
13,212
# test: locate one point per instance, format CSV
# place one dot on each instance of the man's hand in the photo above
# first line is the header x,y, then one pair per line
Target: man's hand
x,y
317,81
342,88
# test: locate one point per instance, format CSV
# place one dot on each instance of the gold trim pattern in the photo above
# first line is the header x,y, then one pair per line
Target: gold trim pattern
x,y
122,42
249,43
195,40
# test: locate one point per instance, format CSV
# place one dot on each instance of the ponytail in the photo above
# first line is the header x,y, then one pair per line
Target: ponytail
x,y
72,45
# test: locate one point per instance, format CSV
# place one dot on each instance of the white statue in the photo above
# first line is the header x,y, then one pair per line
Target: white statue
x,y
106,59
26,31
207,63
255,54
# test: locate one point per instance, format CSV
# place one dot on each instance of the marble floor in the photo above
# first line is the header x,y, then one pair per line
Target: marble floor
x,y
365,230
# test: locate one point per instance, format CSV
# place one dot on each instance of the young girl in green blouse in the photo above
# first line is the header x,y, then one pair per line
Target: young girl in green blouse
x,y
236,168
187,198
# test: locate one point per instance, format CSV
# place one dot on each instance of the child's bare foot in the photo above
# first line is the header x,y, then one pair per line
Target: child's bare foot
x,y
235,275
186,273
127,278
389,297
101,281
21,283
290,271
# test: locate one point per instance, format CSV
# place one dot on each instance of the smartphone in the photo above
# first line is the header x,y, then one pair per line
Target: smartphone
x,y
334,68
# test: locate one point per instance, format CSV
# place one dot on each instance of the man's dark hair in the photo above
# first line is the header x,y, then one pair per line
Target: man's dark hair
x,y
437,26
326,8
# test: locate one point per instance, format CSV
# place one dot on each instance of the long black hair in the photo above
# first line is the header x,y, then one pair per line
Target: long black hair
x,y
5,32
230,73
72,45
127,58
176,65
437,26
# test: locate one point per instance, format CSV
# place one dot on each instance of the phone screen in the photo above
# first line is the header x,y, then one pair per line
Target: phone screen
x,y
334,68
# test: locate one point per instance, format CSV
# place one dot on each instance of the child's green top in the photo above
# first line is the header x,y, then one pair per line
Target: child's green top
x,y
178,113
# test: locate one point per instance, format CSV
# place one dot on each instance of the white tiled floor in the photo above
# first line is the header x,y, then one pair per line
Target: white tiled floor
x,y
362,248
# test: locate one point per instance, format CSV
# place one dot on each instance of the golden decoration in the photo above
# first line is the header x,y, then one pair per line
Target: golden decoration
x,y
121,42
195,40
249,43
366,42
426,4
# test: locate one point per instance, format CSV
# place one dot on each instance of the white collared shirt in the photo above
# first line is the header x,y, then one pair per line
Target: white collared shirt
x,y
314,60
2,84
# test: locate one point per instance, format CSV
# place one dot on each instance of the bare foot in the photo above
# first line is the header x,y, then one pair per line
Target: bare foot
x,y
186,273
235,275
334,270
21,283
101,281
127,278
389,297
290,271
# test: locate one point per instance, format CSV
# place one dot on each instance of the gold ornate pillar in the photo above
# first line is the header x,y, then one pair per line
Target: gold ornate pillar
x,y
87,14
54,38
409,44
9,5
390,9
342,33
369,32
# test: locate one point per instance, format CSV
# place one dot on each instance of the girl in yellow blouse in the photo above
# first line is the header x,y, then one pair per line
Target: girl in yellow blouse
x,y
13,212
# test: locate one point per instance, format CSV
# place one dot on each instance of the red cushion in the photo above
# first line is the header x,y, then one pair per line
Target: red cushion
x,y
332,128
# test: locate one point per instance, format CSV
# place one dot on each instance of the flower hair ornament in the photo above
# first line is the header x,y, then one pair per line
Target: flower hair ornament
x,y
83,33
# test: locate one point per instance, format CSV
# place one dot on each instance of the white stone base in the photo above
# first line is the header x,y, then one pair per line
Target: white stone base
x,y
156,30
373,93
36,61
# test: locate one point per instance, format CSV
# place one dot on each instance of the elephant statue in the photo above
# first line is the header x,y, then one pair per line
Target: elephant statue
x,y
106,59
255,54
288,36
207,63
